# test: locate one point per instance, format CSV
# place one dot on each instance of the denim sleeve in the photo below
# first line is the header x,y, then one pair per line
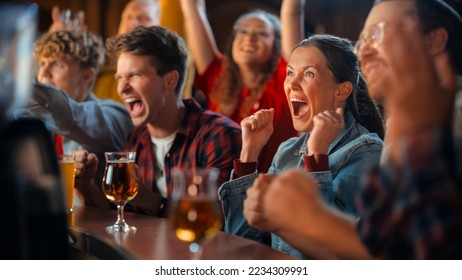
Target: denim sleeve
x,y
349,174
98,125
325,185
232,195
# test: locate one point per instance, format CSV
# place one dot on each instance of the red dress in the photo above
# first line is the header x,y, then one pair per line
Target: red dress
x,y
273,97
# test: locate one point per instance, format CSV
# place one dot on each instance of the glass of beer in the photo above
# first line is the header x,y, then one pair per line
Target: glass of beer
x,y
194,211
67,168
120,185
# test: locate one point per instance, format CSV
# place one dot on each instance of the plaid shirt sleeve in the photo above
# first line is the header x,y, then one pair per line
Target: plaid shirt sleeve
x,y
221,148
415,212
206,139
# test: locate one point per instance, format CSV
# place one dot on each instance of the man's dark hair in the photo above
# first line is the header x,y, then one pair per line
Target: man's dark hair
x,y
167,50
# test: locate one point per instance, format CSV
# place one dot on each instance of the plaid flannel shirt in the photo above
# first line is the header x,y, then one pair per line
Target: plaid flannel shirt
x,y
205,139
416,212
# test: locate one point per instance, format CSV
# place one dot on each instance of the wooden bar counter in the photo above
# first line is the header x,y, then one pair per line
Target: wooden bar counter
x,y
154,240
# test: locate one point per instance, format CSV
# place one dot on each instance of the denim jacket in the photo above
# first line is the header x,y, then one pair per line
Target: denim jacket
x,y
351,154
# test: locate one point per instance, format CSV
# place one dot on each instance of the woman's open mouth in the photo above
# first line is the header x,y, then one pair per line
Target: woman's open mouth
x,y
299,107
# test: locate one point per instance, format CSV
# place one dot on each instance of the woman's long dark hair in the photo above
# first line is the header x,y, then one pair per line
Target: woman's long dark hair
x,y
344,65
227,90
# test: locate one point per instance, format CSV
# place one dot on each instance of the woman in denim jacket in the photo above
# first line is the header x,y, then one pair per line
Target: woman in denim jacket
x,y
341,133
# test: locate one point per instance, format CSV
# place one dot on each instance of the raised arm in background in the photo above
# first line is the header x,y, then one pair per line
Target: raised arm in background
x,y
202,42
199,34
292,25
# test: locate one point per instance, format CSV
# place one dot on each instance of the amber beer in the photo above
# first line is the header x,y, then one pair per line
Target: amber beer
x,y
195,218
67,169
120,183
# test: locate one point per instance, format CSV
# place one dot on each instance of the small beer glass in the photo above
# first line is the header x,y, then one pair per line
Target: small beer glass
x,y
195,214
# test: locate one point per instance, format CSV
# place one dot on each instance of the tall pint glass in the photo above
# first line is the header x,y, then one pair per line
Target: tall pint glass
x,y
67,169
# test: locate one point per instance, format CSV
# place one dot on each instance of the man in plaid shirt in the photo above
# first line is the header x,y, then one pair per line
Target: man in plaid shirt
x,y
170,132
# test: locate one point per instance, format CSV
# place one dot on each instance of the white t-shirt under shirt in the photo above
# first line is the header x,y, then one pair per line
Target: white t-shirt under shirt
x,y
160,148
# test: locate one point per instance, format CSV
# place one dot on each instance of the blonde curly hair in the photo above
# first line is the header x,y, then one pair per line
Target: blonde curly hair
x,y
84,46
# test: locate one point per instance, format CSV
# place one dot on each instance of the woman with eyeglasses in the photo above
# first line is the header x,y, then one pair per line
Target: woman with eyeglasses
x,y
250,75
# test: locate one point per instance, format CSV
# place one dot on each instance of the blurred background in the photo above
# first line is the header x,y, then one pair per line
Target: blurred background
x,y
339,17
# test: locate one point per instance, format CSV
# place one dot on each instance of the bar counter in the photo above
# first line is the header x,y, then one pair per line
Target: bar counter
x,y
154,240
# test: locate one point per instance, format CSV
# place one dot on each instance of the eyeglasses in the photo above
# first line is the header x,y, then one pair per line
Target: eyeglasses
x,y
372,38
247,31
